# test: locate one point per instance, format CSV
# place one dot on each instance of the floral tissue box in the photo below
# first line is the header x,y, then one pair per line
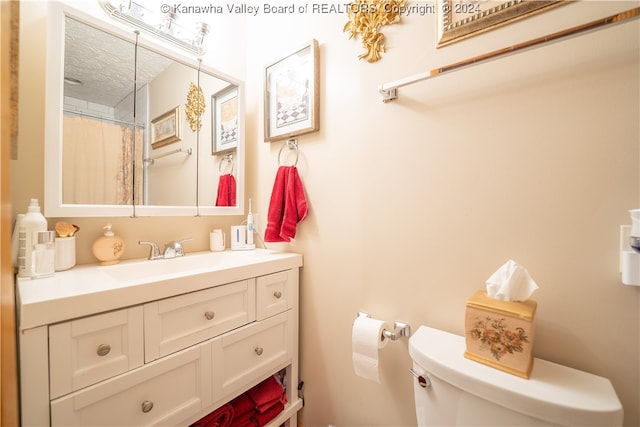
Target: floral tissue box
x,y
500,333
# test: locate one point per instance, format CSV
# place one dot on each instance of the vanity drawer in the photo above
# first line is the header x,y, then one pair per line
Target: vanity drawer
x,y
91,349
275,293
164,392
245,356
176,323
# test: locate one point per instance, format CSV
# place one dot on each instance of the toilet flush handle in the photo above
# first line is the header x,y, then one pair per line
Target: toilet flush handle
x,y
423,380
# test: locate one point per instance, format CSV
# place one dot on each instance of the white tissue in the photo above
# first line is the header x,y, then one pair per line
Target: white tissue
x,y
367,340
511,282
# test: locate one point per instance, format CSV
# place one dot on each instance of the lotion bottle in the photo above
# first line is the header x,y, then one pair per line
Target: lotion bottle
x,y
108,248
32,223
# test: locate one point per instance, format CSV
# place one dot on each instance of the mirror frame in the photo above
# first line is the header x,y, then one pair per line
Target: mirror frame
x,y
54,95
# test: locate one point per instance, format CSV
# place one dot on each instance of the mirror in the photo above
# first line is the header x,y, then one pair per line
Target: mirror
x,y
131,126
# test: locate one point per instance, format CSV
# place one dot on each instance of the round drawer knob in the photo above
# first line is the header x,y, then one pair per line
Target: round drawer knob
x,y
103,349
147,406
259,351
209,315
277,294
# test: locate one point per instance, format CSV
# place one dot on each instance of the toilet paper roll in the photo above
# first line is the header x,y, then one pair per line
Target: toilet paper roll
x,y
367,339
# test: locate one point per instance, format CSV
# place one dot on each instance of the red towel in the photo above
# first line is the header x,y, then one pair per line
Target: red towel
x,y
288,206
242,404
267,391
270,414
221,417
226,190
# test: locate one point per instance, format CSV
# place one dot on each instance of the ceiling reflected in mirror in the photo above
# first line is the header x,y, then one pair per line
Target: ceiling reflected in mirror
x,y
161,20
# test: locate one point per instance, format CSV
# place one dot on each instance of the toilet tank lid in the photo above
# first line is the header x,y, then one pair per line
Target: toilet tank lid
x,y
554,393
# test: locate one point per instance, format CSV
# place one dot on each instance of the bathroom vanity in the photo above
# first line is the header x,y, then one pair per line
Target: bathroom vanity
x,y
161,342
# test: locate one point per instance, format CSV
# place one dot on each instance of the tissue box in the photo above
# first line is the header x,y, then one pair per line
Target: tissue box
x,y
500,333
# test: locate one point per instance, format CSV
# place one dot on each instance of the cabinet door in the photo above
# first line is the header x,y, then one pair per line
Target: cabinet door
x,y
164,392
276,293
176,323
245,356
91,349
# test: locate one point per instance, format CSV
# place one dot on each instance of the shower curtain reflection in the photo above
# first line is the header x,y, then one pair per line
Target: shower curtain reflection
x,y
97,162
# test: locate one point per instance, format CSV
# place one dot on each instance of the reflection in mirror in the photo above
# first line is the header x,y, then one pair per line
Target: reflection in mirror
x,y
133,151
218,142
168,175
98,134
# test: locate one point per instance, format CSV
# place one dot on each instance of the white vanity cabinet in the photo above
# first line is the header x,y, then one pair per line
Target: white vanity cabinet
x,y
160,350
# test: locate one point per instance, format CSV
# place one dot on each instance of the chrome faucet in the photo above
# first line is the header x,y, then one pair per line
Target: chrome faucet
x,y
171,250
155,251
175,248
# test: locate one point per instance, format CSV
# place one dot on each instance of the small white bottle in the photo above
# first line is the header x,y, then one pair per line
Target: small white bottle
x,y
44,255
30,224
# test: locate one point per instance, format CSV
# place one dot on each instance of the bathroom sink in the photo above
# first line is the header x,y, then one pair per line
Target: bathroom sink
x,y
137,270
194,263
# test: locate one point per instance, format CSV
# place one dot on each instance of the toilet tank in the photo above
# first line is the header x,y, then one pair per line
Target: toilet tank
x,y
464,392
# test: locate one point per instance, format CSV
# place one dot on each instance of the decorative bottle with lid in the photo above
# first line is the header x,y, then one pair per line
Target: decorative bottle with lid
x,y
108,248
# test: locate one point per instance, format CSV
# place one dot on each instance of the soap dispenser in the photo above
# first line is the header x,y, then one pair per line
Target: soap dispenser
x,y
108,248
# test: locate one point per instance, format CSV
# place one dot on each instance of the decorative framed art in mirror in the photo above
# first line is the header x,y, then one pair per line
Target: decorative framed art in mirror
x,y
165,129
225,120
291,99
461,19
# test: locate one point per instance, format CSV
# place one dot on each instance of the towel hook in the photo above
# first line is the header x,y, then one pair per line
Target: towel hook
x,y
293,145
228,158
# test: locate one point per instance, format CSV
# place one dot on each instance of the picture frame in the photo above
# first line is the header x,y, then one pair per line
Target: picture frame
x,y
461,19
225,116
166,128
291,98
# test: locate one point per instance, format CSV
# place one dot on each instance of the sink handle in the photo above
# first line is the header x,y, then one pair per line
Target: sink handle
x,y
155,251
175,248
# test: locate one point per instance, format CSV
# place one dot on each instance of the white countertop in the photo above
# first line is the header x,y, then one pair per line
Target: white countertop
x,y
90,289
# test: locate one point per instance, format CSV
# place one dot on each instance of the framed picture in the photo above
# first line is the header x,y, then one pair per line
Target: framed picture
x,y
165,129
225,119
291,94
460,19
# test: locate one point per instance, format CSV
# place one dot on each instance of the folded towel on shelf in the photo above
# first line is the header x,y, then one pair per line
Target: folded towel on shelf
x,y
226,190
270,414
221,417
287,207
242,405
267,391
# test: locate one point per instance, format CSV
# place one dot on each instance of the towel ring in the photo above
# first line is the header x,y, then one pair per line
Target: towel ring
x,y
228,158
293,145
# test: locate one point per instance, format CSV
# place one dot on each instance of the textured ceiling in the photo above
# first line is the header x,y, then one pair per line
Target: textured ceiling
x,y
105,64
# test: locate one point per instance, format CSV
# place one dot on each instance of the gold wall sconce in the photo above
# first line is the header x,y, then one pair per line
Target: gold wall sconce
x,y
367,17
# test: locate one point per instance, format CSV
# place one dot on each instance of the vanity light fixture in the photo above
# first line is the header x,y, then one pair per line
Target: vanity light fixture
x,y
161,20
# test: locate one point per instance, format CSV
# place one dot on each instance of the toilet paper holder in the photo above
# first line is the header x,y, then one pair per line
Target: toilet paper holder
x,y
400,329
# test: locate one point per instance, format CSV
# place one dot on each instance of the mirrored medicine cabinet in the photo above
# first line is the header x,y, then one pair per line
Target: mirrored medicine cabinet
x,y
134,128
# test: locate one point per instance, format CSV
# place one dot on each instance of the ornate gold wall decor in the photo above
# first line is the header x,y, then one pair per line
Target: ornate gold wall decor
x,y
366,17
195,106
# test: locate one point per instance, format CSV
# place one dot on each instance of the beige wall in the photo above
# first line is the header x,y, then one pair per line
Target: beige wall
x,y
413,204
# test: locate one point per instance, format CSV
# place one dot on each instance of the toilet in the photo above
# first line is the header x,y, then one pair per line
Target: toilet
x,y
452,390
